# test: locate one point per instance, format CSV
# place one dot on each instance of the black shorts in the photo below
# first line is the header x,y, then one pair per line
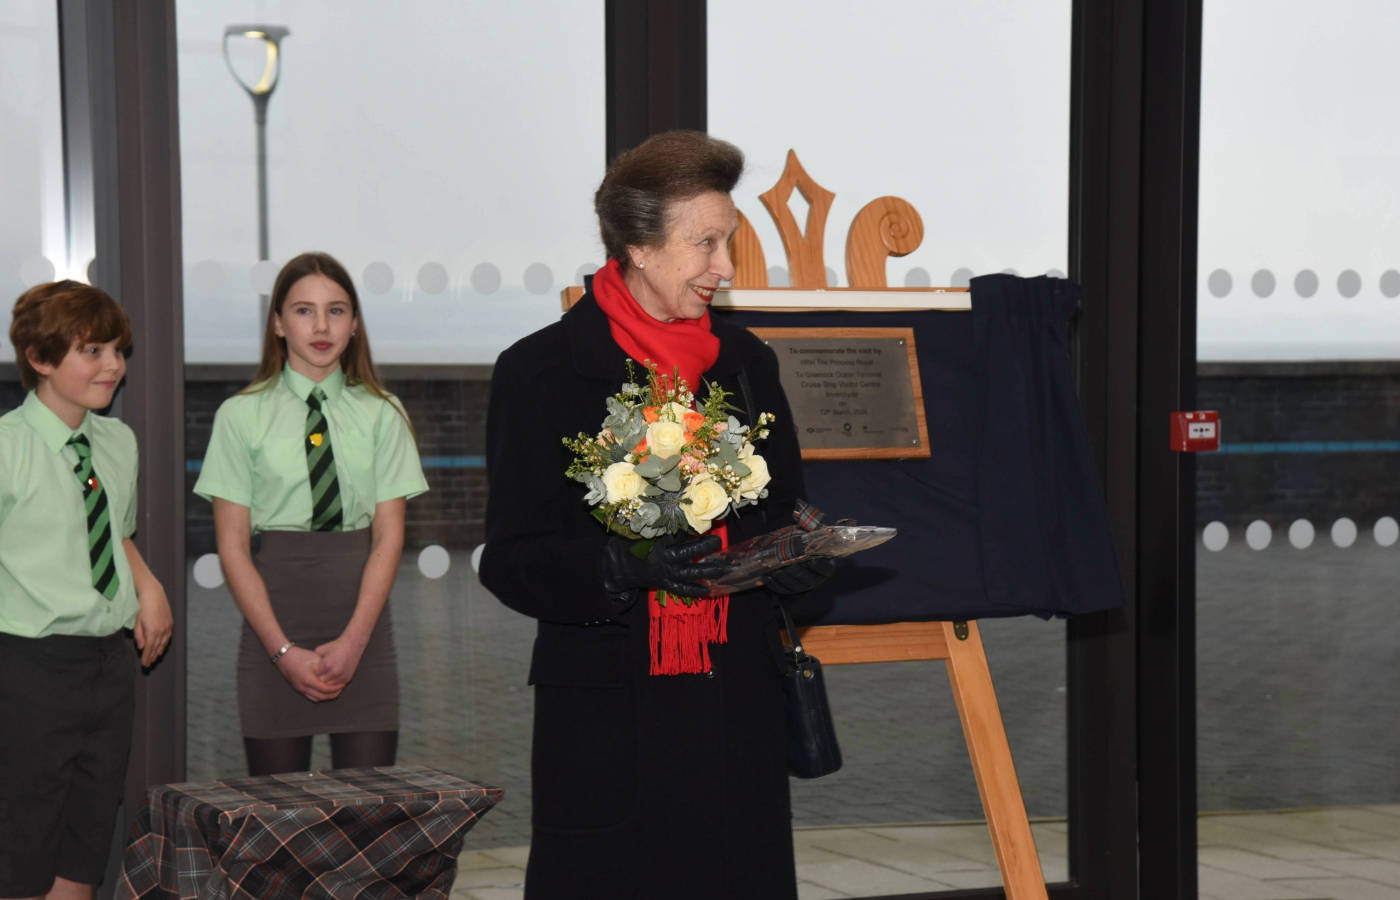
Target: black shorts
x,y
65,733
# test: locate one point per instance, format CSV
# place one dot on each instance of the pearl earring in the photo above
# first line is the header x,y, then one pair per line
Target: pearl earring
x,y
641,265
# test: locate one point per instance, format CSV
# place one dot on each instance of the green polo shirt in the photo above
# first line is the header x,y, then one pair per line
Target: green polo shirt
x,y
45,573
257,453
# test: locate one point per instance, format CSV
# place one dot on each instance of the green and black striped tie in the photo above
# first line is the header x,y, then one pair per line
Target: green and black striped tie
x,y
320,461
99,521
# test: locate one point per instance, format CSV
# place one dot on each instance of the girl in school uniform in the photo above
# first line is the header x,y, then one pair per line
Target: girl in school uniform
x,y
318,459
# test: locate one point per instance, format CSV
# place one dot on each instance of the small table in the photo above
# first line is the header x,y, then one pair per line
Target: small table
x,y
354,833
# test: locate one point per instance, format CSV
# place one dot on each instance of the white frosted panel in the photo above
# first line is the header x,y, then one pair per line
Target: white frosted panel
x,y
420,143
960,108
33,235
1300,181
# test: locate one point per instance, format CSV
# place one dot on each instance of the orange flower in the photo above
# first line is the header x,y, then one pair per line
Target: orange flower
x,y
689,436
649,413
640,451
693,421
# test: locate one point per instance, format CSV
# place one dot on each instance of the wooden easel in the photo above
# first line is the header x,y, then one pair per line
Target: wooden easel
x,y
885,227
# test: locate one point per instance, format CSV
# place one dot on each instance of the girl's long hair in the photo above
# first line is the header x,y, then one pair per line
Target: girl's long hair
x,y
356,360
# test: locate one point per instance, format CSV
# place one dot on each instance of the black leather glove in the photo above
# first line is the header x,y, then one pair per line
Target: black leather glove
x,y
800,577
666,568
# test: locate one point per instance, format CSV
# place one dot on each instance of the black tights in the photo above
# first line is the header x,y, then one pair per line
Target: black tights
x,y
352,750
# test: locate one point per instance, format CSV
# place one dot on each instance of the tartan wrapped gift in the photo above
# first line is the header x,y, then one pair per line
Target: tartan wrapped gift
x,y
391,832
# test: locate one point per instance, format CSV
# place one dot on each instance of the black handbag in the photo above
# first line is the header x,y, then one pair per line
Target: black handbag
x,y
812,748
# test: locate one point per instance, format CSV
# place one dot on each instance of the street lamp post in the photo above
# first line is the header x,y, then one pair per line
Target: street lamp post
x,y
271,37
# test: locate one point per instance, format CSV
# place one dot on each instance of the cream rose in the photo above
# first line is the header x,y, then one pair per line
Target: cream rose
x,y
622,482
708,501
753,483
665,438
677,411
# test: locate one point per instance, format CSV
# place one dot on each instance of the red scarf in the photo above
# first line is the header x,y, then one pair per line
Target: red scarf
x,y
680,635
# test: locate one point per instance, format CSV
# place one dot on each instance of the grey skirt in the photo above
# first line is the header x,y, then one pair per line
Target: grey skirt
x,y
313,580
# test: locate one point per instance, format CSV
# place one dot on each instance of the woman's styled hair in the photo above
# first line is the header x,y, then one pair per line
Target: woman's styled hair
x,y
356,360
51,319
641,187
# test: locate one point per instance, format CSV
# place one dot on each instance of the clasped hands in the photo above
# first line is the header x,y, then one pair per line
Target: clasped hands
x,y
321,674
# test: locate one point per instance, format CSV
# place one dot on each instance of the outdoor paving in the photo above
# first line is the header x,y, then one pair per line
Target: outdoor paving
x,y
1297,665
1348,853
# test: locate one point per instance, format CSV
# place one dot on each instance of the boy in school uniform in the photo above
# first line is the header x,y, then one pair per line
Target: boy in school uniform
x,y
70,581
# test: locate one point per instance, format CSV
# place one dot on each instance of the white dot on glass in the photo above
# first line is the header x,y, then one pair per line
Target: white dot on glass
x,y
432,278
476,557
1262,283
1215,536
583,272
962,278
486,278
1301,534
1220,283
918,277
1390,283
1349,283
433,561
1344,532
538,278
1305,283
777,276
207,276
36,270
1387,531
207,571
263,276
378,278
1258,534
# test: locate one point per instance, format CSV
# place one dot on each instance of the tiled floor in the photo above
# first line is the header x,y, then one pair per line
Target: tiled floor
x,y
1343,853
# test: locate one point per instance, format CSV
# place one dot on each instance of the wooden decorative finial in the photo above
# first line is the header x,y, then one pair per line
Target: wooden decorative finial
x,y
885,227
806,260
745,251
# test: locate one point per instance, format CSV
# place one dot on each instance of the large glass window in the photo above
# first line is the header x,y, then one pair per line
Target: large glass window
x,y
33,229
962,110
446,153
1298,350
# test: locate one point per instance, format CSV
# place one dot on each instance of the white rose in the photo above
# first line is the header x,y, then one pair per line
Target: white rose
x,y
708,501
623,482
753,483
665,439
745,451
677,411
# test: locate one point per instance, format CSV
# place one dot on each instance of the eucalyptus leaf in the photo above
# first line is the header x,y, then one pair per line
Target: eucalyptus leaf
x,y
740,469
671,481
652,490
669,463
651,468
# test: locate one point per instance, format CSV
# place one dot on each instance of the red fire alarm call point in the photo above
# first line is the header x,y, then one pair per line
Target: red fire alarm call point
x,y
1195,432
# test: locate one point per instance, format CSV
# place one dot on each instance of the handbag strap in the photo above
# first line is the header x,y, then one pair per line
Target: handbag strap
x,y
797,652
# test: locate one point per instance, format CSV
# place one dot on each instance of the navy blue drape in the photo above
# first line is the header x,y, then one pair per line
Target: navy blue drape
x,y
1006,516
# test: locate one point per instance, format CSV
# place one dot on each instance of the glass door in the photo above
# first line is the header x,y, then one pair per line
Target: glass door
x,y
1299,351
976,137
446,154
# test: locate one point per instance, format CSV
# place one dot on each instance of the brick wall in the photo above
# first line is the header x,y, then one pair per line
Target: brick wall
x,y
1259,404
1268,403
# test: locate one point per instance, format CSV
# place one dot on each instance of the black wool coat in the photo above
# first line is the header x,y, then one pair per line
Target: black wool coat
x,y
643,786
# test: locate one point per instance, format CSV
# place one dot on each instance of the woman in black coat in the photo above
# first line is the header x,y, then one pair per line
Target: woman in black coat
x,y
644,786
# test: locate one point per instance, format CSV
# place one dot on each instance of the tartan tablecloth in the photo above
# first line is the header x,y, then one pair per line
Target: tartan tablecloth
x,y
356,834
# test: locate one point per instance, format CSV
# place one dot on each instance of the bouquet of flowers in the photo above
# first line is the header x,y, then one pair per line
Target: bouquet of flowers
x,y
660,467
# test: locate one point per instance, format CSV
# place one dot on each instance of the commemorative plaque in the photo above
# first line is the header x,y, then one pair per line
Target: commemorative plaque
x,y
854,392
